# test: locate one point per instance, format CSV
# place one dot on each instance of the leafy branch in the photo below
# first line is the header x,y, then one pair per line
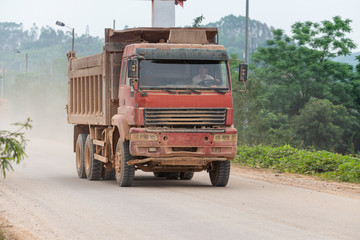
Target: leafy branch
x,y
12,146
198,21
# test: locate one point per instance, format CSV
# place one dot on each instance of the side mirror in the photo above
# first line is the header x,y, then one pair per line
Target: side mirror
x,y
243,72
132,68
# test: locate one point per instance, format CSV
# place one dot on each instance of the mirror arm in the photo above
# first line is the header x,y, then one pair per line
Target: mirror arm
x,y
143,94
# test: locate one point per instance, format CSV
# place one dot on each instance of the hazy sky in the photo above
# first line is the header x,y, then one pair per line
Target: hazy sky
x,y
100,14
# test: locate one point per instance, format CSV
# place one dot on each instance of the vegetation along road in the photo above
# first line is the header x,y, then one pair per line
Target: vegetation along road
x,y
44,199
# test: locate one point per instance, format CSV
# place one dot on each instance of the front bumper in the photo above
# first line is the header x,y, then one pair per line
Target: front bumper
x,y
202,143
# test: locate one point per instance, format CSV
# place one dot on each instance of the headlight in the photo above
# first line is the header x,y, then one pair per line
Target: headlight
x,y
225,138
146,137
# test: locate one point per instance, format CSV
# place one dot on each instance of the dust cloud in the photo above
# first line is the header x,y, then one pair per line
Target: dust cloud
x,y
44,102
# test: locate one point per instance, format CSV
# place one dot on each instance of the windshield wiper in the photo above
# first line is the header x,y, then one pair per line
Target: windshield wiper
x,y
168,90
192,90
219,90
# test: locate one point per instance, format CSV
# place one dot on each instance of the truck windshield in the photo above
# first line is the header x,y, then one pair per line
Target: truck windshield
x,y
183,74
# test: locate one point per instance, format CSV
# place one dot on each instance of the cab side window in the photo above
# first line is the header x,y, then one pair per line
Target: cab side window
x,y
123,74
127,82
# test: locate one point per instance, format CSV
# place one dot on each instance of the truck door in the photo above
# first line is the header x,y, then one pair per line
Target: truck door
x,y
126,95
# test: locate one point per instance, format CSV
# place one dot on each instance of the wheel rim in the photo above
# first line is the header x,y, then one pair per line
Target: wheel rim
x,y
118,161
78,157
87,158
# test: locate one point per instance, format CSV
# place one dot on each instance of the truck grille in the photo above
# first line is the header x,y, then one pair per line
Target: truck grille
x,y
189,116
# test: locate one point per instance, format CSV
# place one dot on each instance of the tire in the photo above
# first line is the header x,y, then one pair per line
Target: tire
x,y
108,173
173,175
80,155
125,175
186,175
159,174
219,175
93,167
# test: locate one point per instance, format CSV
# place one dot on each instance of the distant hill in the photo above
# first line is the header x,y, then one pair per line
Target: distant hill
x,y
47,47
232,34
349,59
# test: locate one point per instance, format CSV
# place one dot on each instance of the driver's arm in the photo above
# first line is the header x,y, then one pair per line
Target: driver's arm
x,y
209,77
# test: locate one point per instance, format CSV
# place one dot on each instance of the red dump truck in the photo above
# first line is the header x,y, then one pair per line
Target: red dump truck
x,y
157,100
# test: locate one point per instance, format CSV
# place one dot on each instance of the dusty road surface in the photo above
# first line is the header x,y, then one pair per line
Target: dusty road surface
x,y
44,199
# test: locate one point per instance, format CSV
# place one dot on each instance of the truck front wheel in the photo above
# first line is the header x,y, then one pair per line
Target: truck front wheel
x,y
80,155
124,173
93,167
219,173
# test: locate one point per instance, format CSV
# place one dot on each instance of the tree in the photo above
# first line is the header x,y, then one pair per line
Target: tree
x,y
300,67
325,126
292,70
12,146
326,37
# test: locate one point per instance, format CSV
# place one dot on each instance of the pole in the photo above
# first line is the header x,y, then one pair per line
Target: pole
x,y
247,33
2,83
26,56
114,24
73,37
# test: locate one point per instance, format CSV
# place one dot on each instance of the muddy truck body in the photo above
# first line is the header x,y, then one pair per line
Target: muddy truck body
x,y
157,100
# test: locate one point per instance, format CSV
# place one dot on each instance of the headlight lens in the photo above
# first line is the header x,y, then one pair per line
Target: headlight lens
x,y
146,137
225,138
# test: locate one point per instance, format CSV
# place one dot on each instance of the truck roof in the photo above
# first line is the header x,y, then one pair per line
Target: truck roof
x,y
177,51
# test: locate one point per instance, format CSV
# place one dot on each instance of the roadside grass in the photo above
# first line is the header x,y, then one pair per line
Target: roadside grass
x,y
2,236
324,164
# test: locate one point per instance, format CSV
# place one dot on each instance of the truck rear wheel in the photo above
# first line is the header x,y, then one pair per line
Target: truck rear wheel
x,y
93,167
186,175
124,173
219,174
80,155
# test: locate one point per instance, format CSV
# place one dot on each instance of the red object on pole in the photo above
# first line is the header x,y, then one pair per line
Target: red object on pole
x,y
180,2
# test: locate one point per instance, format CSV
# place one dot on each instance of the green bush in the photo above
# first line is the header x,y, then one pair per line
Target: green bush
x,y
288,159
2,234
12,147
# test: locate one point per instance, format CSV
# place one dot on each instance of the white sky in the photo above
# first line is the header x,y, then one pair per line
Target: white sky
x,y
100,14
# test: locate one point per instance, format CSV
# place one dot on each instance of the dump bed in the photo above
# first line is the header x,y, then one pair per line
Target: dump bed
x,y
94,80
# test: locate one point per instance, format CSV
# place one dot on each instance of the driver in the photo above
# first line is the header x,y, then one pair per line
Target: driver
x,y
203,76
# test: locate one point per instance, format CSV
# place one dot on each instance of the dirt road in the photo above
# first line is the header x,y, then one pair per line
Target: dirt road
x,y
44,199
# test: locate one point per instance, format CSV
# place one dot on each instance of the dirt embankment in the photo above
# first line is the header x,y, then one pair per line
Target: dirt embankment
x,y
297,180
